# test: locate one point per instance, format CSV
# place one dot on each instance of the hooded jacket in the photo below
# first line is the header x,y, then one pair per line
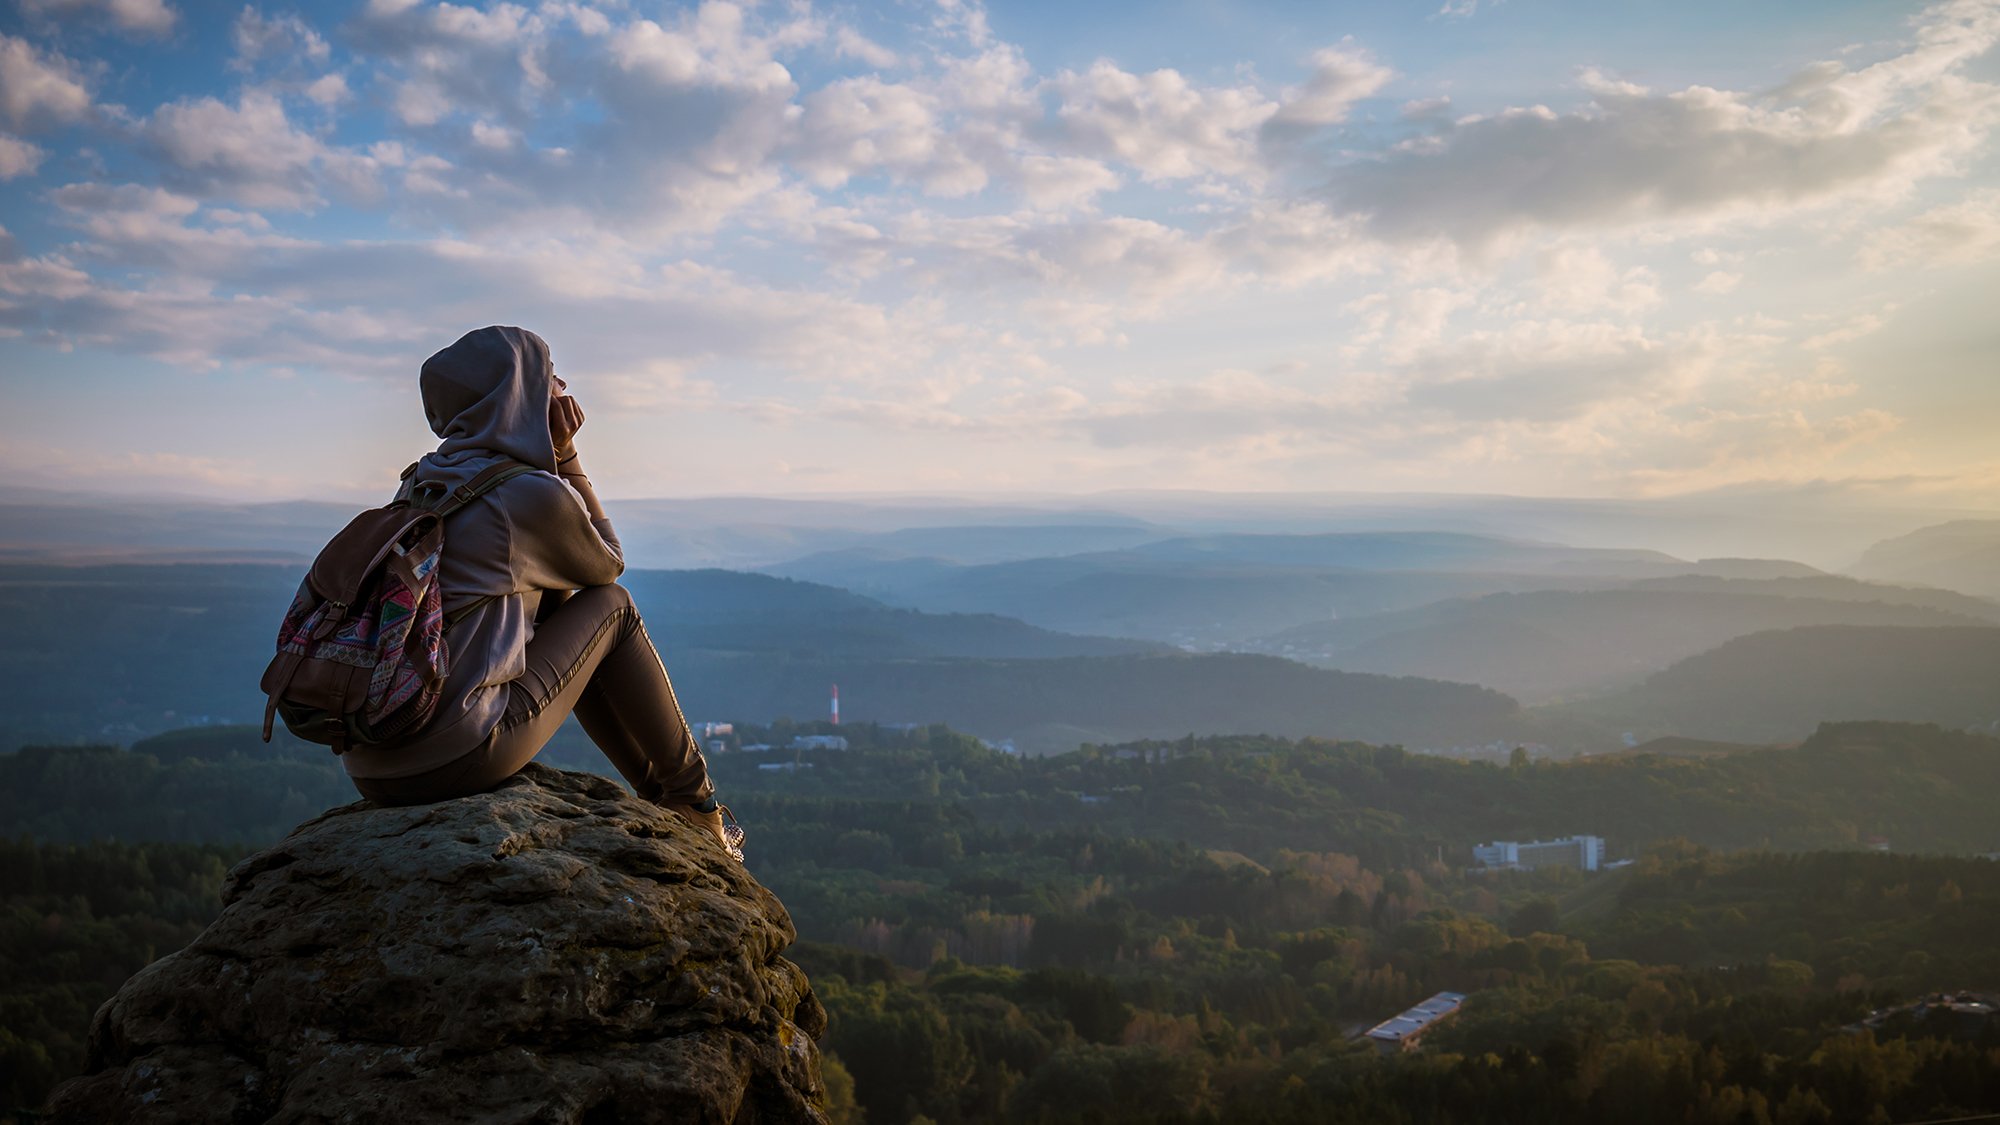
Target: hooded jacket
x,y
487,398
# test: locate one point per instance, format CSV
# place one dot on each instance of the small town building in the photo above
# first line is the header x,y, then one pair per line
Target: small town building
x,y
1584,852
1403,1032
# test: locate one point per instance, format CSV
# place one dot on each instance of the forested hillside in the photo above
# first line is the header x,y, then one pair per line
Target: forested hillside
x,y
1150,933
1776,686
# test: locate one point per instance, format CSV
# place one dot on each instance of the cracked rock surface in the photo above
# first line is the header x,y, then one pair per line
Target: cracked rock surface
x,y
555,950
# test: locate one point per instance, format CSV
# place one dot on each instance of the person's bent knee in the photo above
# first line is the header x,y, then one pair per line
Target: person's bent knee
x,y
615,593
612,596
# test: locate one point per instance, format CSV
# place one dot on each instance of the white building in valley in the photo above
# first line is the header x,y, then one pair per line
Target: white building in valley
x,y
1401,1033
1585,852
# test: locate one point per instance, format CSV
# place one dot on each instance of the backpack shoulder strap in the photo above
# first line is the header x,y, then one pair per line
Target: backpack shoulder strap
x,y
406,486
478,486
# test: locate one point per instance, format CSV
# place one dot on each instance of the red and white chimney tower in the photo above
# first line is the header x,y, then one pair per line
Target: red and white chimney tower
x,y
836,705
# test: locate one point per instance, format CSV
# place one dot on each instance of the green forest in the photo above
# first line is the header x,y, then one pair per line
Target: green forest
x,y
1196,930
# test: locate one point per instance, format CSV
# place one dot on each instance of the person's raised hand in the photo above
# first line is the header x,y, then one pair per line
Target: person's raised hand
x,y
565,419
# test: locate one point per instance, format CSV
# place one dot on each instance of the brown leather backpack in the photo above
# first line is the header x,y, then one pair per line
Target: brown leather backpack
x,y
361,653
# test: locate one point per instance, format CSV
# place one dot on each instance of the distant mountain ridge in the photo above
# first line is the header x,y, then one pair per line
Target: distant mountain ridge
x,y
1963,555
1051,705
1549,644
120,651
139,648
1224,591
1776,686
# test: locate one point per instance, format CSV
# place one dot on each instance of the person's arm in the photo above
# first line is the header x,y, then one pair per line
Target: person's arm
x,y
570,468
562,540
572,535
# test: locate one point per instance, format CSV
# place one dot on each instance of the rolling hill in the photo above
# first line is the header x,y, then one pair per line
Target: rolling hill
x,y
1053,705
123,650
1224,591
116,652
1552,644
1963,555
1777,686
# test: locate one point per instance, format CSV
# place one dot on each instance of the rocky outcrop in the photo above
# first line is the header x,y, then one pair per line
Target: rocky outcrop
x,y
555,950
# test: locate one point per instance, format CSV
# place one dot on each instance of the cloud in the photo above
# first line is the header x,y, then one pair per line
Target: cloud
x,y
1159,123
1723,447
39,87
1341,76
328,90
714,48
1058,183
1954,234
859,126
1860,326
851,44
143,17
1574,279
249,152
19,158
1718,282
287,38
1458,10
1547,372
214,289
637,129
1631,156
1105,266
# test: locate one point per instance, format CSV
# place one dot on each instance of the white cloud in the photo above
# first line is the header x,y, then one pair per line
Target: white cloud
x,y
230,292
1574,279
1966,231
485,134
1458,10
37,86
1864,325
851,44
1718,282
1342,76
1058,183
1160,123
328,90
1082,264
965,19
1631,156
18,157
861,125
421,101
714,48
146,17
1547,372
249,152
287,38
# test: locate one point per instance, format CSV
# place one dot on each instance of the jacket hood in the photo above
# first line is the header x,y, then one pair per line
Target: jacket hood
x,y
487,397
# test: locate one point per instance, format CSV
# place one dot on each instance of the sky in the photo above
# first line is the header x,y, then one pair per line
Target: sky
x,y
1523,247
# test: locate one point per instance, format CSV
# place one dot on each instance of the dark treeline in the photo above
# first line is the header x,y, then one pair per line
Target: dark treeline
x,y
75,922
1924,788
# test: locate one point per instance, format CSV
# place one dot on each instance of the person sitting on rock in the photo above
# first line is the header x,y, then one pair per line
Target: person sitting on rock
x,y
547,631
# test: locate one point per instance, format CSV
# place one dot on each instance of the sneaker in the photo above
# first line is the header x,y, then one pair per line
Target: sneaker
x,y
718,822
732,834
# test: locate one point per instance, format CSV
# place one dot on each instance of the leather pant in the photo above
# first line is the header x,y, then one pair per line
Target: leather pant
x,y
589,655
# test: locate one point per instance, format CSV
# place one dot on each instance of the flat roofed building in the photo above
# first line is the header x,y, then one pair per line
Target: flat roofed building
x,y
1402,1032
1586,852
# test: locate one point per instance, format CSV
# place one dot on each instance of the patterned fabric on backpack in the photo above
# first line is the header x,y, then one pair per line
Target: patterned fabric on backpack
x,y
398,635
361,652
